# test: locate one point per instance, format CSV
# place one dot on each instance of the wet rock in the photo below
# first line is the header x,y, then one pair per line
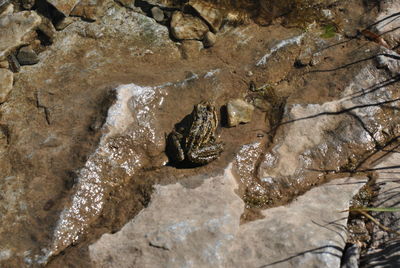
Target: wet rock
x,y
209,39
64,6
6,85
91,10
13,63
205,234
210,14
191,48
68,72
26,56
157,14
239,111
65,22
14,28
184,26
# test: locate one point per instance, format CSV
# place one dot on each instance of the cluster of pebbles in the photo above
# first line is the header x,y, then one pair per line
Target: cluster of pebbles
x,y
24,34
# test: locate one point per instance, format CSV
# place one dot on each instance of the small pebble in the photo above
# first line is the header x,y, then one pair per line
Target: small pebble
x,y
239,111
26,56
157,14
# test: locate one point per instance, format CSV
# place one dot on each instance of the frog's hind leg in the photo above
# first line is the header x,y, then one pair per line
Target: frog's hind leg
x,y
174,148
205,154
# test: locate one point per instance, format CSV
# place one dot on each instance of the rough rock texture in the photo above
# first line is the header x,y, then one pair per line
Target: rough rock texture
x,y
13,28
184,26
239,111
192,231
6,85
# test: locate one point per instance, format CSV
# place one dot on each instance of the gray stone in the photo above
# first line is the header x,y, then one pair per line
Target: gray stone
x,y
6,85
213,16
209,39
184,26
64,6
239,111
192,230
14,30
157,14
26,56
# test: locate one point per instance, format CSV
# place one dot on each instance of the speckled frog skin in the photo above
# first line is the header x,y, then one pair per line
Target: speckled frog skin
x,y
196,143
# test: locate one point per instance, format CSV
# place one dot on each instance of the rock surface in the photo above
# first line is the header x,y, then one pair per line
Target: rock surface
x,y
239,111
6,85
185,26
13,28
192,231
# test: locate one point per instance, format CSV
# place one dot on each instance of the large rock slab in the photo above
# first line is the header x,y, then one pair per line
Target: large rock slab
x,y
199,227
13,28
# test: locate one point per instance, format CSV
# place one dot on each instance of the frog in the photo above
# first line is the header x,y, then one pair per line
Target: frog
x,y
194,142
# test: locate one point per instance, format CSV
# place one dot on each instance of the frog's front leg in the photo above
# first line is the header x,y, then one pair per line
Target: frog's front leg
x,y
175,149
205,154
